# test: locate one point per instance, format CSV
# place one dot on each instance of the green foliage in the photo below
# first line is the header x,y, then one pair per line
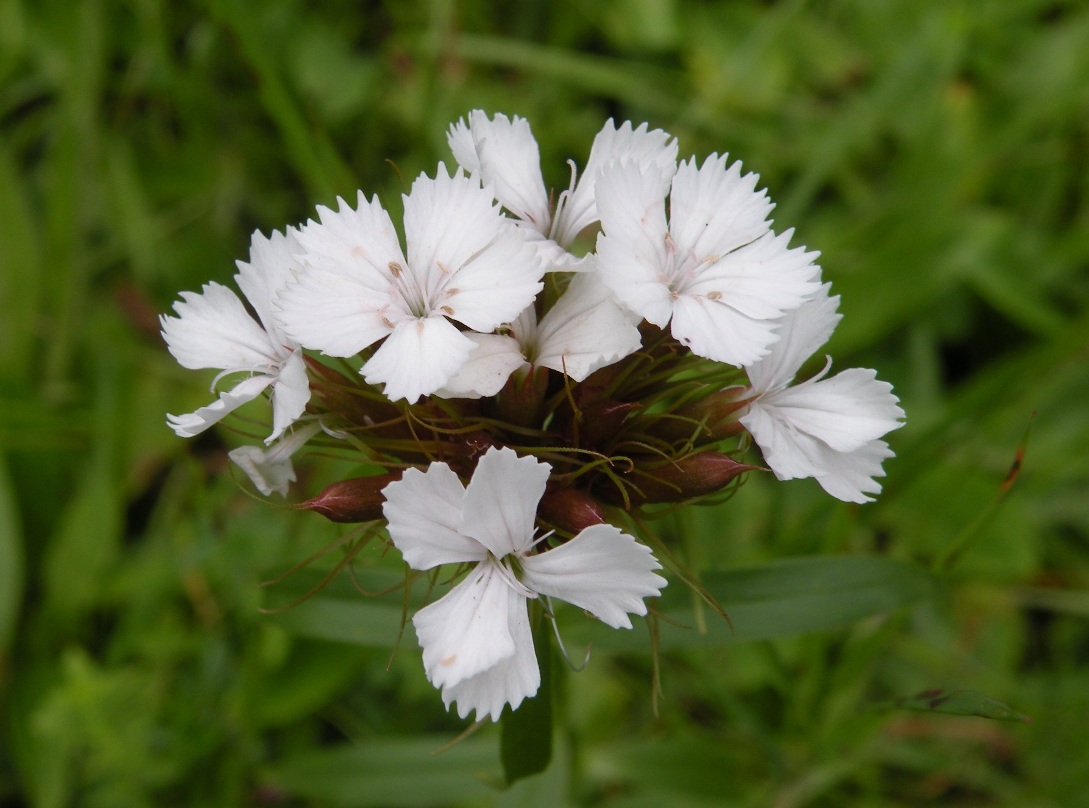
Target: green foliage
x,y
935,154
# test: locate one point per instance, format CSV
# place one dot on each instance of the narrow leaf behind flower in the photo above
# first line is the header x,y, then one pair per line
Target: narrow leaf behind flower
x,y
960,702
790,596
12,565
525,741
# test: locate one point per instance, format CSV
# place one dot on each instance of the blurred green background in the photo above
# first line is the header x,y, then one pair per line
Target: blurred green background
x,y
937,154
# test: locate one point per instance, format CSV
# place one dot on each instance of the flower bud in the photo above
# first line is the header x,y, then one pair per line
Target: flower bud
x,y
602,419
521,401
687,478
708,419
570,510
344,397
357,500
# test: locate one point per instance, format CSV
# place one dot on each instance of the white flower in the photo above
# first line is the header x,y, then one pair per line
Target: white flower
x,y
585,330
716,274
826,428
214,330
505,154
270,469
476,640
465,263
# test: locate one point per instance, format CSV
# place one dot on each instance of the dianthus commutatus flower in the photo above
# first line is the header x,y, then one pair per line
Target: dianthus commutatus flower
x,y
505,154
465,263
826,428
476,640
715,274
214,330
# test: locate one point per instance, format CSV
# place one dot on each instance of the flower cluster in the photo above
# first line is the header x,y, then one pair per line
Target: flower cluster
x,y
569,382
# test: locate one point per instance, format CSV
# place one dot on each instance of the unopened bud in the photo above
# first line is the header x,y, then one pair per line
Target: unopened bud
x,y
570,510
693,476
602,419
357,500
711,418
521,401
344,397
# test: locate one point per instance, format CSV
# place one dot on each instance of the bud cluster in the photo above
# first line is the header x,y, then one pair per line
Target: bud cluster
x,y
563,385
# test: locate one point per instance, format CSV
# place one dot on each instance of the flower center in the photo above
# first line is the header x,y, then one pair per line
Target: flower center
x,y
505,569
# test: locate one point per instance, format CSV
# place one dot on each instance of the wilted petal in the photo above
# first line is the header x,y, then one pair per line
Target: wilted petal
x,y
509,681
468,630
602,570
271,469
500,503
423,510
191,424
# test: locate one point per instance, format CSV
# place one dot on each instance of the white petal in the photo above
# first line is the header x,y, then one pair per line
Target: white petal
x,y
290,394
602,570
214,330
713,210
494,358
715,331
850,475
468,630
191,424
270,469
790,453
639,147
510,163
497,284
423,510
729,312
793,454
500,504
844,412
418,358
271,267
266,477
761,280
460,139
631,250
344,299
801,333
508,681
470,262
585,330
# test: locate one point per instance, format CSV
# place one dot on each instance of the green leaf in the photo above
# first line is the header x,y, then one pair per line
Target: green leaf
x,y
392,771
11,560
525,740
790,596
960,702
